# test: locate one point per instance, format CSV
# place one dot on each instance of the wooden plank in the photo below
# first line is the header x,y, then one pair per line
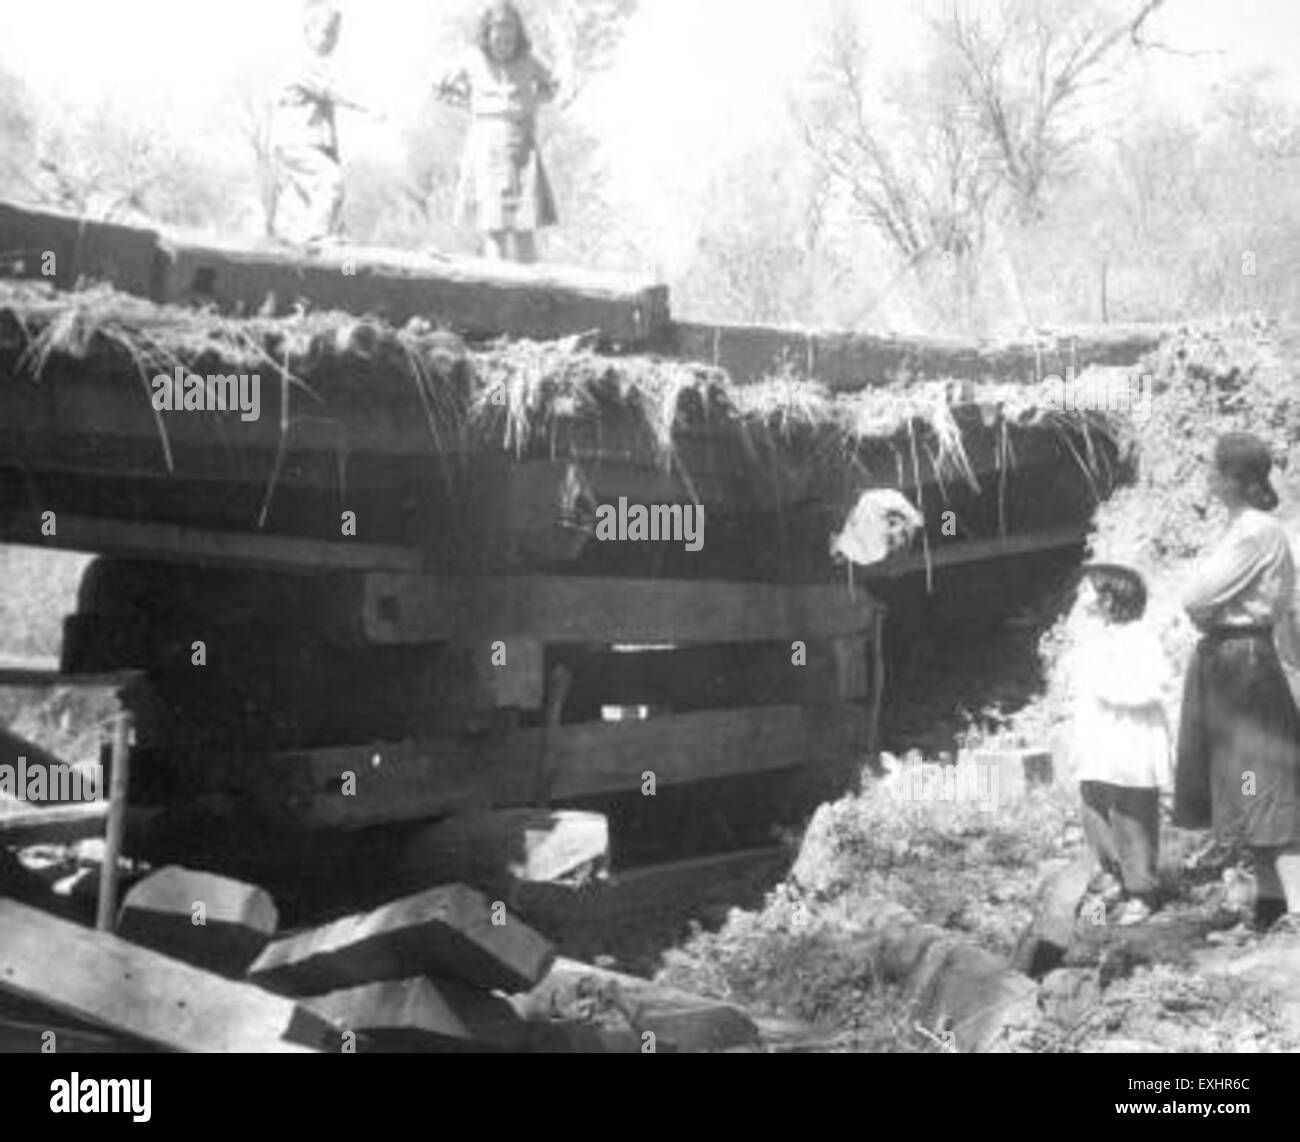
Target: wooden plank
x,y
448,933
114,984
853,361
115,826
976,551
401,608
60,824
474,297
393,781
424,1015
226,548
417,780
611,757
236,923
81,248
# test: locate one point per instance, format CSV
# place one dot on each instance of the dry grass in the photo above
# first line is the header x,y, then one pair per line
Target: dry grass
x,y
520,392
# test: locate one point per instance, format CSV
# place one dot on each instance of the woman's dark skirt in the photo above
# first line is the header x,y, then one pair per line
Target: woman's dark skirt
x,y
1239,743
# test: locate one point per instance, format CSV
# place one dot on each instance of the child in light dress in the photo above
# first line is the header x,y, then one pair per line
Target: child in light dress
x,y
1120,740
504,192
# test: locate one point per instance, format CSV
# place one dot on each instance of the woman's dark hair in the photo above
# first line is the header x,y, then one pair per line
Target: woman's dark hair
x,y
1121,593
523,45
1246,460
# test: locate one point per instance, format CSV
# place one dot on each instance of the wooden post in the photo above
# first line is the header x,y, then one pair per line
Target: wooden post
x,y
117,792
877,688
558,693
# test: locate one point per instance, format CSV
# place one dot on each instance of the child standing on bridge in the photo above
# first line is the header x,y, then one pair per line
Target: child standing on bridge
x,y
504,191
307,194
1120,737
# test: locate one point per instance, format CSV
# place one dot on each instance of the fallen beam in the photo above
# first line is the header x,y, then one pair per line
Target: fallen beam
x,y
210,921
107,981
424,1015
446,933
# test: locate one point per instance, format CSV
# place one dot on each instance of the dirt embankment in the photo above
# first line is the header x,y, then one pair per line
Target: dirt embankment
x,y
1172,985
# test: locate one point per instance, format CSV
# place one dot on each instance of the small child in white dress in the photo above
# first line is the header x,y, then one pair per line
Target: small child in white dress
x,y
1120,740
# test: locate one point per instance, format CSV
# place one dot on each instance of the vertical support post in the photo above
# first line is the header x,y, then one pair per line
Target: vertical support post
x,y
877,688
118,784
561,682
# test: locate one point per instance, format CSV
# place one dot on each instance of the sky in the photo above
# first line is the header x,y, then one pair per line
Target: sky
x,y
695,83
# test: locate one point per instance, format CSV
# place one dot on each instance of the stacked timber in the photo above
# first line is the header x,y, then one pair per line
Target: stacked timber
x,y
409,578
198,965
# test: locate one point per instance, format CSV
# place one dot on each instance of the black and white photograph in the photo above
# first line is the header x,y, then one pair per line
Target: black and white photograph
x,y
551,527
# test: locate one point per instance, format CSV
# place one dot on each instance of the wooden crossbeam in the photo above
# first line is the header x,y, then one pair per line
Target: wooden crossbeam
x,y
401,608
211,546
976,551
413,781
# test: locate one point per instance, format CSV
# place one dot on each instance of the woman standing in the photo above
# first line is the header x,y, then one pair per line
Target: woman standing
x,y
1239,743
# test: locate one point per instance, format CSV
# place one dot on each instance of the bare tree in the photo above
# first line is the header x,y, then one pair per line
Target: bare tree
x,y
1026,67
917,169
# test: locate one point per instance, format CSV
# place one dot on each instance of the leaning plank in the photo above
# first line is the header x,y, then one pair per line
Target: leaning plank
x,y
399,608
446,933
115,984
210,921
59,825
683,1021
424,1015
471,296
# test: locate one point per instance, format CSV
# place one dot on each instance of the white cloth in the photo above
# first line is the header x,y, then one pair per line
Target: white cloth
x,y
1120,733
883,521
